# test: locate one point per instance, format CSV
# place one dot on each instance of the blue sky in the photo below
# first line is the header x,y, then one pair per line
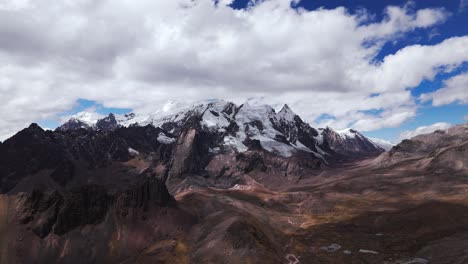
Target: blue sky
x,y
456,25
381,67
82,105
427,114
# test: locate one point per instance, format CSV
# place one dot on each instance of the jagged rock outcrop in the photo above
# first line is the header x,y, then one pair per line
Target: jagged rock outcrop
x,y
150,193
46,212
108,123
294,129
185,158
81,206
28,152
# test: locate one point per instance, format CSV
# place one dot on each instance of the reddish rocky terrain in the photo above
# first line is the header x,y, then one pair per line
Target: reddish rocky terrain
x,y
181,192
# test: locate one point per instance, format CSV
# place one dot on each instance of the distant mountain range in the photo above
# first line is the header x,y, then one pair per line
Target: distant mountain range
x,y
283,133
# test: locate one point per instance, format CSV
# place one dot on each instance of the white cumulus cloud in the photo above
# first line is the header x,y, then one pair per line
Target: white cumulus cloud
x,y
455,90
424,130
139,54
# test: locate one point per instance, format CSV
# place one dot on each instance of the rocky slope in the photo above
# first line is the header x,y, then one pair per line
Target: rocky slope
x,y
440,152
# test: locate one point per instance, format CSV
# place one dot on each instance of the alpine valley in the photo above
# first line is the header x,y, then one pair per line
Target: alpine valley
x,y
218,182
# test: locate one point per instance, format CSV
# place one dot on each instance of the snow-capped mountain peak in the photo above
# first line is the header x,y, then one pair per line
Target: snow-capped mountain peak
x,y
89,118
347,133
238,128
125,119
218,115
259,122
286,113
86,120
169,111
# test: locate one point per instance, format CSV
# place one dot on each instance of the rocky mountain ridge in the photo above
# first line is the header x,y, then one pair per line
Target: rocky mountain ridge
x,y
439,152
283,133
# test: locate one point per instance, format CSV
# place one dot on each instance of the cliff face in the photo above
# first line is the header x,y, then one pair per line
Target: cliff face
x,y
186,157
46,212
108,226
58,213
